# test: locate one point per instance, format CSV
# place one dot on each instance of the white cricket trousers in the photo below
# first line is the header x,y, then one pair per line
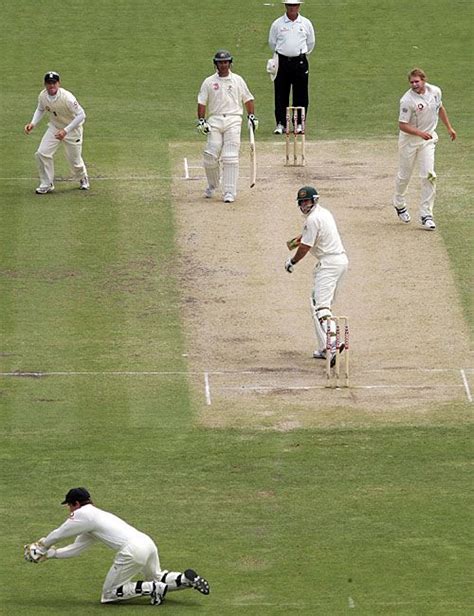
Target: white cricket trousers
x,y
72,148
414,149
138,557
223,142
328,274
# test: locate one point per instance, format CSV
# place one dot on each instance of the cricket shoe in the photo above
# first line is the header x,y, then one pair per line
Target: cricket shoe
x,y
319,354
299,129
197,582
84,183
403,214
229,198
43,190
334,353
158,593
428,223
209,192
279,129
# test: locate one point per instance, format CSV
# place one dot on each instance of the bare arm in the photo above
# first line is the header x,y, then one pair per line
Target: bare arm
x,y
250,107
445,120
201,111
405,127
302,251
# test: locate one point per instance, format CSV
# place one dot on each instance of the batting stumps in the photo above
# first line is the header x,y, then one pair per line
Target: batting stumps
x,y
298,116
341,347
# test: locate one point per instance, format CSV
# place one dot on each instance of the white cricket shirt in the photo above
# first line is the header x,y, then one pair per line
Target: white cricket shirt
x,y
292,38
63,109
89,524
420,110
320,232
224,95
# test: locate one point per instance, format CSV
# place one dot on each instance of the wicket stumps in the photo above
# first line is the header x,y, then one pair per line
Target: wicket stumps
x,y
341,347
298,132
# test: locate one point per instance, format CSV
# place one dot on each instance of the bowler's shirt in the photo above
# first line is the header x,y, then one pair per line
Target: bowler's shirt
x,y
224,95
420,110
90,524
320,232
292,38
63,109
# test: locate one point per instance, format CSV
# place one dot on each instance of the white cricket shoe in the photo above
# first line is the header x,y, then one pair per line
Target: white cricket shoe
x,y
279,129
158,593
299,129
197,582
84,183
319,354
209,192
43,190
403,214
229,198
428,223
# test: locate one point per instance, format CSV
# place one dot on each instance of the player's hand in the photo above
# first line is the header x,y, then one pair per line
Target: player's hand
x,y
294,242
253,121
426,136
452,134
203,126
28,128
60,134
289,266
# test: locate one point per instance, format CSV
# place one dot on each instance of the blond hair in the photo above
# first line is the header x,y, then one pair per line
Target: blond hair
x,y
417,72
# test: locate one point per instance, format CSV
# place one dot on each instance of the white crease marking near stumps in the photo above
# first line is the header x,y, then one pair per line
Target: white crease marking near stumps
x,y
466,385
207,388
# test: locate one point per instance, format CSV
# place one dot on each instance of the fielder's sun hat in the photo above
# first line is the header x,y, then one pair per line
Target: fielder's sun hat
x,y
51,77
76,495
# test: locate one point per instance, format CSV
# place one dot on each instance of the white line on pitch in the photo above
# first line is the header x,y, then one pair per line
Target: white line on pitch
x,y
466,385
186,169
308,387
207,388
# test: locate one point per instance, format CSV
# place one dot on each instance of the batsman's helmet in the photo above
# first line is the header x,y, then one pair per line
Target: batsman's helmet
x,y
51,77
305,193
222,55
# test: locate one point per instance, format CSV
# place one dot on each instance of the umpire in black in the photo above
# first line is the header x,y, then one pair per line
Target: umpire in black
x,y
291,37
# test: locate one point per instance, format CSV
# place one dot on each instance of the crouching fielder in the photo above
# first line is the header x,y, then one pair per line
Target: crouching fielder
x,y
222,97
320,237
136,552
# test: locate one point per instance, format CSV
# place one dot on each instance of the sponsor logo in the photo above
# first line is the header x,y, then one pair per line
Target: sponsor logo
x,y
215,86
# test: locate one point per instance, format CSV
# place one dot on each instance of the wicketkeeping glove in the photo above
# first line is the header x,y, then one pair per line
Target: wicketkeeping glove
x,y
35,552
289,265
203,126
253,121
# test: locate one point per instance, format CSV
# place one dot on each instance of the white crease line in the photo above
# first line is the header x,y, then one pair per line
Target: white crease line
x,y
207,388
308,387
466,385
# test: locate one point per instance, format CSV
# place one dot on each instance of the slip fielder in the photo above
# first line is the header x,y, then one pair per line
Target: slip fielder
x,y
66,120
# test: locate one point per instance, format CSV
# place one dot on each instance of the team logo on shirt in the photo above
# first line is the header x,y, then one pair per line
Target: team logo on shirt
x,y
48,108
420,106
215,86
405,110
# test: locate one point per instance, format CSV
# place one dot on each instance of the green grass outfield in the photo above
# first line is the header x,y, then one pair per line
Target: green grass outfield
x,y
279,523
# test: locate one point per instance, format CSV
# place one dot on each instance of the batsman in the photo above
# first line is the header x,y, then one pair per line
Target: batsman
x,y
320,237
222,97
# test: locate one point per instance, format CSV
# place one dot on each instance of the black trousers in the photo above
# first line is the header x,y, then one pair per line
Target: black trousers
x,y
292,73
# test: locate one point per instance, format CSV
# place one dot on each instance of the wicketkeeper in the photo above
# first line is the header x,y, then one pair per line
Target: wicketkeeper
x,y
320,237
135,552
221,97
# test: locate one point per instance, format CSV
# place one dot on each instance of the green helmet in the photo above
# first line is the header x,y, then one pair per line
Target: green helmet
x,y
222,56
305,193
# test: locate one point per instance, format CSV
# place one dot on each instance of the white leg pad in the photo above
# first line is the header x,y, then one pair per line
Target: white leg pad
x,y
211,167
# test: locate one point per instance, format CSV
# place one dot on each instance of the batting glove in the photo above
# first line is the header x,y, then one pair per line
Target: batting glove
x,y
289,265
203,126
253,121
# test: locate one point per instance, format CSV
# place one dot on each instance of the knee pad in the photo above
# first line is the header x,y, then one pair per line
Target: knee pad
x,y
322,314
230,153
210,160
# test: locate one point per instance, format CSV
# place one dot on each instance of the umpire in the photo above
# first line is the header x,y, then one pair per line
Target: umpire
x,y
291,37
